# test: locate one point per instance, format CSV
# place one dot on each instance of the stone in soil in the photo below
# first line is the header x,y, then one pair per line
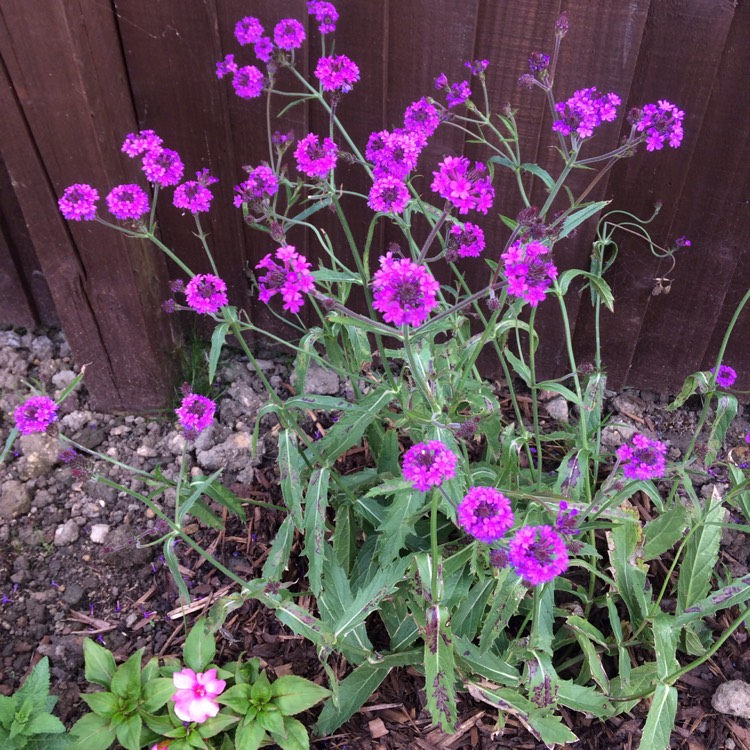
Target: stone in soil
x,y
732,698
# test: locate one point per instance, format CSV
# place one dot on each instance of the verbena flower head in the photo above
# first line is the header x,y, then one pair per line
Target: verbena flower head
x,y
195,414
163,166
206,293
422,117
395,154
35,414
404,292
289,34
291,279
477,67
528,271
261,184
226,66
643,458
662,123
325,14
726,376
264,49
248,82
195,699
538,554
194,195
467,189
315,159
566,522
682,242
389,195
139,143
127,202
455,93
485,513
248,30
538,62
429,464
78,202
465,240
585,111
337,73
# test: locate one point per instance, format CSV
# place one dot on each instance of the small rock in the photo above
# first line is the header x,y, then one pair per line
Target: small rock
x,y
557,408
614,435
320,380
63,379
15,499
66,534
732,698
73,594
40,454
99,533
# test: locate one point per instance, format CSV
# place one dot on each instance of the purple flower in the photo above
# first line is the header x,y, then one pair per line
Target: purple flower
x,y
194,195
585,111
226,66
314,159
127,202
682,242
662,123
138,143
455,93
68,455
248,30
35,414
529,274
428,465
477,67
248,82
403,291
291,279
485,513
78,202
206,293
325,14
538,553
422,117
261,184
566,519
195,414
163,166
337,73
538,62
289,34
643,458
464,240
726,376
389,195
394,154
264,49
465,188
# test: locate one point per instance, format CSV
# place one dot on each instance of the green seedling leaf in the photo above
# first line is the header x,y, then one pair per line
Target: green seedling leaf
x,y
103,704
92,732
290,466
249,735
129,732
213,726
100,664
126,682
156,693
292,694
316,503
200,647
660,720
664,532
260,691
295,736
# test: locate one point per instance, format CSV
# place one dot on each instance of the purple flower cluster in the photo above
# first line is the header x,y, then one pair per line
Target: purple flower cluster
x,y
403,291
325,14
78,202
206,293
477,67
422,117
35,414
465,241
726,376
662,123
394,153
248,30
315,159
195,414
485,513
291,279
528,272
429,465
136,144
538,62
566,522
584,111
127,202
389,195
455,93
643,458
289,34
261,184
194,195
538,554
464,187
337,73
163,166
247,82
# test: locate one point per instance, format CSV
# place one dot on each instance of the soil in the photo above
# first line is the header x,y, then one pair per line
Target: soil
x,y
75,560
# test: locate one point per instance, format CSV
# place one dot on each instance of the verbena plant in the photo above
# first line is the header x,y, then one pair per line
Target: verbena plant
x,y
501,559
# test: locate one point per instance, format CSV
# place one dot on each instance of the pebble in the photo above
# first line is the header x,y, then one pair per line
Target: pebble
x,y
557,408
15,499
66,534
732,698
99,533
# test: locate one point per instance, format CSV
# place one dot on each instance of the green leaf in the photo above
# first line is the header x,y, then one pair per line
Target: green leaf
x,y
236,697
260,692
104,704
271,719
398,523
200,647
296,737
227,499
290,464
278,555
665,645
630,577
353,692
509,591
519,366
468,614
36,685
216,724
217,342
92,732
158,724
126,682
100,664
542,174
701,556
156,693
249,735
7,709
316,503
294,694
45,724
726,411
174,568
584,699
484,663
698,382
660,720
664,532
737,592
597,283
582,214
589,638
302,361
439,669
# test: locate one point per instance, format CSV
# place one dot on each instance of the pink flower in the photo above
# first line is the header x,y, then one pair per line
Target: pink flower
x,y
194,699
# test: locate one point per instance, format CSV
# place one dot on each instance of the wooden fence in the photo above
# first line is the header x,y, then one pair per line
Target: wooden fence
x,y
78,75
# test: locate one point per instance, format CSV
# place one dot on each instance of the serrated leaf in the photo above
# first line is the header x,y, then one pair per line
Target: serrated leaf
x,y
585,699
249,735
36,685
290,466
698,382
539,172
664,532
200,647
726,411
660,719
278,555
218,337
216,724
398,523
630,578
509,591
316,504
306,349
485,663
44,724
295,737
440,669
227,499
737,592
100,664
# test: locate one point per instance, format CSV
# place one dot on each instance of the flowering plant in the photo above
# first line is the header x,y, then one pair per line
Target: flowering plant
x,y
499,550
